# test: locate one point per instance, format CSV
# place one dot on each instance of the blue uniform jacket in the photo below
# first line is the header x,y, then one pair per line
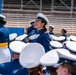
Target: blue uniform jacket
x,y
30,29
10,67
4,34
51,33
64,36
43,39
22,71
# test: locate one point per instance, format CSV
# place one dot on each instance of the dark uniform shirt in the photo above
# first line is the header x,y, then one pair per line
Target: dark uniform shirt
x,y
43,39
30,29
51,33
64,36
10,67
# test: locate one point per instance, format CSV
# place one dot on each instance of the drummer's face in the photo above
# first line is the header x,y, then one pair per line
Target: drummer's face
x,y
39,25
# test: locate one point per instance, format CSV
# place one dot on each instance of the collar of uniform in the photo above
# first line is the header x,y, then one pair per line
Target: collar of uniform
x,y
15,60
40,31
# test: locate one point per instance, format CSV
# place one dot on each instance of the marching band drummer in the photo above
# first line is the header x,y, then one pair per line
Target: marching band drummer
x,y
5,55
40,36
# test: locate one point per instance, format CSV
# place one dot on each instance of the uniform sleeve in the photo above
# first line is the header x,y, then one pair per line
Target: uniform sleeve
x,y
22,71
1,35
32,33
46,42
5,68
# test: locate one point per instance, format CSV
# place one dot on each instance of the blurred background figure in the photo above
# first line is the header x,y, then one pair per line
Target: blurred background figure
x,y
63,32
5,55
32,27
51,28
